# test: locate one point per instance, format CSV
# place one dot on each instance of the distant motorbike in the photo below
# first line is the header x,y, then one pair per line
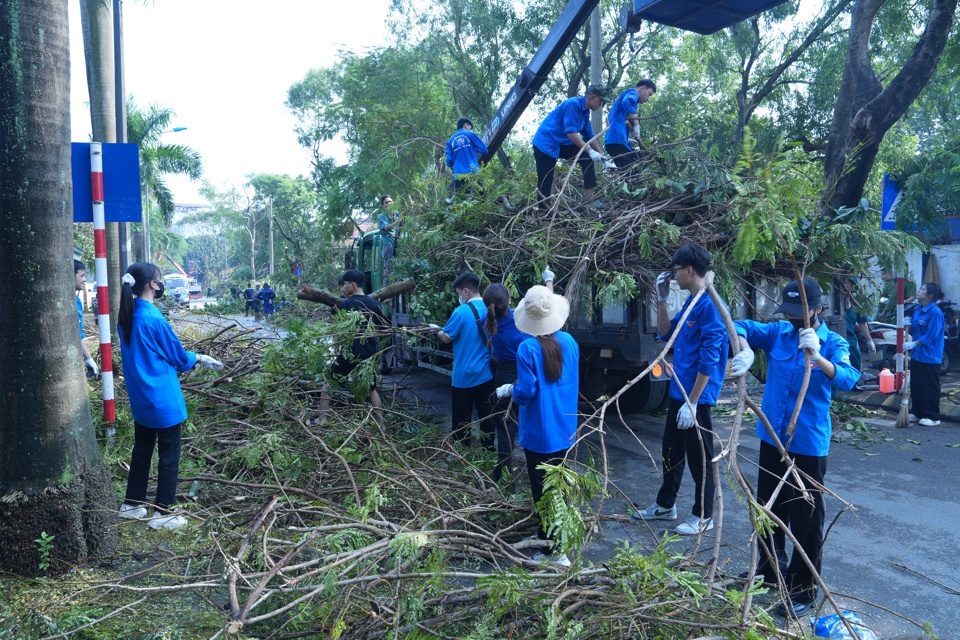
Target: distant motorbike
x,y
884,336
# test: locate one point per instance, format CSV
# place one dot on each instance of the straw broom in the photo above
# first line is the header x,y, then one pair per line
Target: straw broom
x,y
903,418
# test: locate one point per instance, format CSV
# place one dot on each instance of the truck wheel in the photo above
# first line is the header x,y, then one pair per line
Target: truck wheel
x,y
646,396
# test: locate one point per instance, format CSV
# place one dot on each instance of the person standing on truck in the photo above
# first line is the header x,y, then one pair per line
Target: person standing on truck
x,y
926,355
363,348
699,367
152,356
248,295
562,134
625,124
80,279
785,342
472,381
547,390
463,150
388,222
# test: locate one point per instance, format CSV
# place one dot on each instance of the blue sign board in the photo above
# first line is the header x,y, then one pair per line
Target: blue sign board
x,y
121,183
891,198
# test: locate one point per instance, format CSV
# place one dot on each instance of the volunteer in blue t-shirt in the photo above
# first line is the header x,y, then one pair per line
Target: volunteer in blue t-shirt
x,y
472,382
785,342
547,390
926,355
152,356
80,279
561,135
699,367
625,124
463,151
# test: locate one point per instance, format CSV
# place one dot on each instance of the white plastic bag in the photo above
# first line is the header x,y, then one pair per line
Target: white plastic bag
x,y
832,627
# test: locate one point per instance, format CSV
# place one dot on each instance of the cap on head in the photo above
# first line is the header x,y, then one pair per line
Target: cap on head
x,y
541,312
792,305
599,90
464,120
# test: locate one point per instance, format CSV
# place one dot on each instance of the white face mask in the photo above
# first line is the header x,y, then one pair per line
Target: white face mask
x,y
461,299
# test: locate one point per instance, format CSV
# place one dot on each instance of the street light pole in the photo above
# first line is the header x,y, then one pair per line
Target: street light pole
x,y
270,201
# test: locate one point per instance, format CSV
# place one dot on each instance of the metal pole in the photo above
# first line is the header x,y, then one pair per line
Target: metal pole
x,y
120,106
146,231
103,293
596,64
271,237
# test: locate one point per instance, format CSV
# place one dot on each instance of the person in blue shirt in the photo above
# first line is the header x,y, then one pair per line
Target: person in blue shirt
x,y
266,296
472,381
854,318
625,124
699,367
926,355
463,149
152,356
80,279
388,221
505,338
562,134
547,390
785,342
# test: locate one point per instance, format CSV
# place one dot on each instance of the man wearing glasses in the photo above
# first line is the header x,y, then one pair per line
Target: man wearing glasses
x,y
699,367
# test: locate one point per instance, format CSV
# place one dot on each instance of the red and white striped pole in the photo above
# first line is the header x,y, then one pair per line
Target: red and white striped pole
x,y
898,380
103,293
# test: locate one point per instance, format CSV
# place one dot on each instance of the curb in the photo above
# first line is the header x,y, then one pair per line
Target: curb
x,y
890,402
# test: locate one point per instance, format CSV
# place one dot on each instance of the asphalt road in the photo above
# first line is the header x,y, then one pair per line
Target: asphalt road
x,y
897,547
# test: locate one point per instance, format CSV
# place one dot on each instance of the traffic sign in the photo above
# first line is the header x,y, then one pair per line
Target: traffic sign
x,y
121,183
892,193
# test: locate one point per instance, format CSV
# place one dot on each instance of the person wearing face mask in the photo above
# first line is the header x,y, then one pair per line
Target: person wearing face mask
x,y
472,380
152,355
785,343
926,355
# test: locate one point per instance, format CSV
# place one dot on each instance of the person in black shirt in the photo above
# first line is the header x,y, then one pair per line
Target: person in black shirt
x,y
363,348
248,295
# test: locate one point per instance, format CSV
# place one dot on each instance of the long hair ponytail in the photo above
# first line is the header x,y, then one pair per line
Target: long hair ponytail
x,y
142,273
552,357
497,300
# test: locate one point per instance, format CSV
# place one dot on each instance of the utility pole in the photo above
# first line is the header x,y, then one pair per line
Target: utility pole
x,y
596,64
120,106
270,203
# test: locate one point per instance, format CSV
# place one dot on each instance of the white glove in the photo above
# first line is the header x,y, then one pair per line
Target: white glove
x,y
92,365
663,286
741,362
610,165
811,341
909,345
504,390
636,130
873,346
595,155
433,326
685,417
548,275
209,363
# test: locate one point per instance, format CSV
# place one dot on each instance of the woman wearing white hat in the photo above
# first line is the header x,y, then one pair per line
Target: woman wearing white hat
x,y
547,389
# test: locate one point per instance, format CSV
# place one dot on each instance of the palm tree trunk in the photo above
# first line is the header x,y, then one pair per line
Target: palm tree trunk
x,y
97,20
52,479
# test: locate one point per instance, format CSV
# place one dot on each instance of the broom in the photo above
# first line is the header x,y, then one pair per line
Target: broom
x,y
903,418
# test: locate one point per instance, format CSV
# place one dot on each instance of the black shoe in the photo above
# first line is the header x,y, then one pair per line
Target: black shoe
x,y
794,609
758,578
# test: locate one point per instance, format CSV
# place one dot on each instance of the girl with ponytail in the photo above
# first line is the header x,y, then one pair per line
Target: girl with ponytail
x,y
152,355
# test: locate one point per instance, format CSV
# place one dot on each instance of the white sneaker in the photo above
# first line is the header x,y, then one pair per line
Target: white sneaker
x,y
914,418
132,511
927,422
656,512
559,560
694,525
169,521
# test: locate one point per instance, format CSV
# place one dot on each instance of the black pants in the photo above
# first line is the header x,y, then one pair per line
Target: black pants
x,y
805,520
505,422
623,156
463,402
925,389
686,446
247,307
547,165
537,476
168,465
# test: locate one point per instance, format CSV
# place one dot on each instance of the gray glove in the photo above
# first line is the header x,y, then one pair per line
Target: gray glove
x,y
663,286
209,363
811,341
504,390
742,362
595,155
92,365
909,345
548,275
685,418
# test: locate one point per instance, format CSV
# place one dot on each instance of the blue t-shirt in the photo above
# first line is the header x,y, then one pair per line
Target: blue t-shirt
x,y
386,218
701,347
471,360
927,329
507,339
463,148
570,116
548,410
785,362
623,106
151,361
80,317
